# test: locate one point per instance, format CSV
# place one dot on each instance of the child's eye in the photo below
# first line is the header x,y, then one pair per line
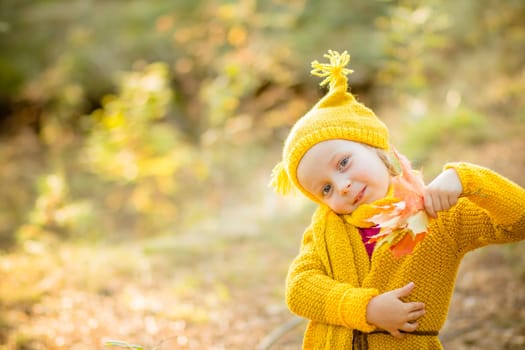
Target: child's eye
x,y
326,189
343,163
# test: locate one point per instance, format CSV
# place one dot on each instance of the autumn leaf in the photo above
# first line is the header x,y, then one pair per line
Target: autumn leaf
x,y
418,223
402,219
406,245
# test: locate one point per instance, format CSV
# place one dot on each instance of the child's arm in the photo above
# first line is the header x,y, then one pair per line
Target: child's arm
x,y
443,192
490,208
312,294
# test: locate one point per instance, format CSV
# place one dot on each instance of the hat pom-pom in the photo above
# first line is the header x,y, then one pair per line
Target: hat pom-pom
x,y
335,71
280,180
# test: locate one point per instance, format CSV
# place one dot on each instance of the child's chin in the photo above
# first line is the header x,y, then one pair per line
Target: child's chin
x,y
342,212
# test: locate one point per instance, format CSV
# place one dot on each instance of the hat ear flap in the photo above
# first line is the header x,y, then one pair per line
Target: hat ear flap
x,y
280,180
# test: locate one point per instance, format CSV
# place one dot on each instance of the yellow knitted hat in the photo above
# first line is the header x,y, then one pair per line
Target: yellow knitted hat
x,y
338,115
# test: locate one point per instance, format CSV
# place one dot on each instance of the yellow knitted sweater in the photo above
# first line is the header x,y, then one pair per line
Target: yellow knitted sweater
x,y
332,279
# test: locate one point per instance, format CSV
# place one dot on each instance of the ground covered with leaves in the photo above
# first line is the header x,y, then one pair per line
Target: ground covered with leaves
x,y
209,290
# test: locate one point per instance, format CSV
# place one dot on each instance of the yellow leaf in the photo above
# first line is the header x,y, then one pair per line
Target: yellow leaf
x,y
418,222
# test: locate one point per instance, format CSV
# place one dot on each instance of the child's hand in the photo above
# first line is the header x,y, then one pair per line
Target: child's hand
x,y
443,192
389,312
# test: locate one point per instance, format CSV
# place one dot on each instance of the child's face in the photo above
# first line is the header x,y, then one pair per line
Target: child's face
x,y
343,174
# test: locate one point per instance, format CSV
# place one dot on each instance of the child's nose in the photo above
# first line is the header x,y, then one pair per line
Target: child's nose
x,y
344,186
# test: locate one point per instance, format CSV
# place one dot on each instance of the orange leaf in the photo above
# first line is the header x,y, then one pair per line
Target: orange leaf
x,y
406,245
408,186
412,177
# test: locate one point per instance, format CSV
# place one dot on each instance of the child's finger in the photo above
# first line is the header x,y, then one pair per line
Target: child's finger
x,y
429,205
448,202
405,290
409,326
415,306
397,334
416,315
440,202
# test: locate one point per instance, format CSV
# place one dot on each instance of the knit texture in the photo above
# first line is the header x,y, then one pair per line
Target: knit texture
x,y
332,279
338,115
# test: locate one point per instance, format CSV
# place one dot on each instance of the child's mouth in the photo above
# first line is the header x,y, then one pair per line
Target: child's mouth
x,y
359,195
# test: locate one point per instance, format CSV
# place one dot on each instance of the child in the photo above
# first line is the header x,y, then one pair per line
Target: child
x,y
358,296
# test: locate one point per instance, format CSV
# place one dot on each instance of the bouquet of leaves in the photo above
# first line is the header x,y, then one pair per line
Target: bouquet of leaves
x,y
401,216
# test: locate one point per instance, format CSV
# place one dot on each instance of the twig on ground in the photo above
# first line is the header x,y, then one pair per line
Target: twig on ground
x,y
279,332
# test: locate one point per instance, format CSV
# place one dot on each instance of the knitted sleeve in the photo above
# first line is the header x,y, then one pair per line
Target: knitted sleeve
x,y
312,294
492,209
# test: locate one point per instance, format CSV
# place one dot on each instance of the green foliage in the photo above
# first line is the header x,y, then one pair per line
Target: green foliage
x,y
22,165
140,147
54,210
431,133
415,36
125,133
134,147
97,42
132,162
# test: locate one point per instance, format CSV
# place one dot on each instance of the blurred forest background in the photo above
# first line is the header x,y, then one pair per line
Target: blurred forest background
x,y
137,139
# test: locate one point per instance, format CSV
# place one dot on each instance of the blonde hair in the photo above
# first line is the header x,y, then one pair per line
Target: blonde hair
x,y
388,158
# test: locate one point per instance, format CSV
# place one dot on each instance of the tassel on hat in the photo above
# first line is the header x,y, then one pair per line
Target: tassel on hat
x,y
280,180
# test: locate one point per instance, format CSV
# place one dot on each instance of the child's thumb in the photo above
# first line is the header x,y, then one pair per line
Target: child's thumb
x,y
405,290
